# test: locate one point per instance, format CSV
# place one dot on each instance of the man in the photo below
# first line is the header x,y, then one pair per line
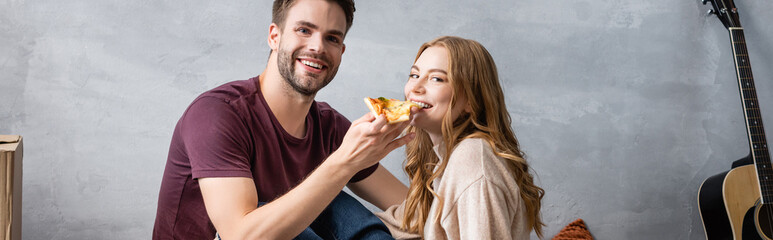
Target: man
x,y
266,142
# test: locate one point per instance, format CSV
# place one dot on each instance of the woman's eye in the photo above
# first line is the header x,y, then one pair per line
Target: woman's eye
x,y
437,79
413,76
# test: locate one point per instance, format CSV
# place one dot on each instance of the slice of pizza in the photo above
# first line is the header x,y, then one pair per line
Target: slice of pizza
x,y
394,110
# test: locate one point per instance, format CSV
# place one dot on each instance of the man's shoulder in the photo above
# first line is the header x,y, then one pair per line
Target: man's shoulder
x,y
227,103
233,90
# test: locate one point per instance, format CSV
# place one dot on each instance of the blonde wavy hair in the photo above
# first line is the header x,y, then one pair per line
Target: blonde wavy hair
x,y
473,74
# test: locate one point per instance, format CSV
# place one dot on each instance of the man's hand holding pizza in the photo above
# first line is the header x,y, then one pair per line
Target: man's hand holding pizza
x,y
371,137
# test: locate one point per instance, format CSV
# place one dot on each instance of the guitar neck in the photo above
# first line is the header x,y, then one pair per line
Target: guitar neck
x,y
751,108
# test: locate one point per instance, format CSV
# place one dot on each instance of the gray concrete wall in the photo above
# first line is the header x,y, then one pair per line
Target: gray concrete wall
x,y
623,107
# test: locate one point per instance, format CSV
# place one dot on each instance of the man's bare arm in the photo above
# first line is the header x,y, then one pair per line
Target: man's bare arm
x,y
231,202
231,205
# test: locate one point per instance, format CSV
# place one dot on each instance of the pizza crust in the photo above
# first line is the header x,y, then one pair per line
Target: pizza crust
x,y
372,108
378,107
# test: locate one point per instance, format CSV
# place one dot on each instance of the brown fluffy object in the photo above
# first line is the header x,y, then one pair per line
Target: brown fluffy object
x,y
574,231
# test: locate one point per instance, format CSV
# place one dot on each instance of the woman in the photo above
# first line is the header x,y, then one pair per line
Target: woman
x,y
469,179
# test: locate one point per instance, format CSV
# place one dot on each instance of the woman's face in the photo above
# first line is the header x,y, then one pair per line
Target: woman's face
x,y
428,85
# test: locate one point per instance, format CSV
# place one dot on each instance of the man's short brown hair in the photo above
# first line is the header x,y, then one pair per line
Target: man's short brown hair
x,y
281,7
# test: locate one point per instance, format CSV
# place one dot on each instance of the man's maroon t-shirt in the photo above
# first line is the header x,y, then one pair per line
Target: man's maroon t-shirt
x,y
230,131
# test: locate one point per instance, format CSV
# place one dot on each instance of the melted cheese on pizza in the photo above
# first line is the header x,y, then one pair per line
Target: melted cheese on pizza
x,y
394,110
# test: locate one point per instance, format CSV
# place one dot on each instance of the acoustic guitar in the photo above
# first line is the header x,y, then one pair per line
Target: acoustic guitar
x,y
736,204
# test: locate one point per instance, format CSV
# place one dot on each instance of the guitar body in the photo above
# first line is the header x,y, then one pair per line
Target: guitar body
x,y
711,204
728,205
741,192
713,201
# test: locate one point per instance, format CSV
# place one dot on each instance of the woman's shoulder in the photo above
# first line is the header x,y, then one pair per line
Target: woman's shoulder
x,y
473,166
474,159
472,151
469,147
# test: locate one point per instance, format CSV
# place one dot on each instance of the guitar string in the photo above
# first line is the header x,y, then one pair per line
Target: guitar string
x,y
758,118
760,152
758,126
738,44
758,144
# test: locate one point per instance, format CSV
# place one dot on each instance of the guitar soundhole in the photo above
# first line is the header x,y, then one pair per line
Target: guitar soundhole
x,y
764,220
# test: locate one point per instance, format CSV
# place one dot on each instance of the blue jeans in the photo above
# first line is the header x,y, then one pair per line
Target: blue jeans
x,y
344,218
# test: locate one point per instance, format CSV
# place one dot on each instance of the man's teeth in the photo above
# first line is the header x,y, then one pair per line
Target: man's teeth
x,y
311,64
422,105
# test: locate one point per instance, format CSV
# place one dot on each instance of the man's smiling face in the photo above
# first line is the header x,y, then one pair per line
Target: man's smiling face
x,y
311,45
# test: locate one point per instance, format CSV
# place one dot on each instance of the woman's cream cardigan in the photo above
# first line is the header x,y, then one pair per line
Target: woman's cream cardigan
x,y
481,199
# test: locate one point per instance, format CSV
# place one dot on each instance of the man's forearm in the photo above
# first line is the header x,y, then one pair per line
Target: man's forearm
x,y
288,215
